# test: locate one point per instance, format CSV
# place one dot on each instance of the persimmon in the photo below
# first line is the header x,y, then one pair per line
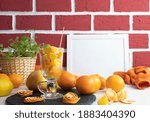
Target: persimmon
x,y
88,84
115,82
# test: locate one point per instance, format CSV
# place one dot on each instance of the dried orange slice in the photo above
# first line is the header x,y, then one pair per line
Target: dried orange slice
x,y
111,95
25,93
71,98
122,94
33,99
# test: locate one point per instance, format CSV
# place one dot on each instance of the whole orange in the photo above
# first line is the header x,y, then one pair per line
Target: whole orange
x,y
67,80
88,84
4,76
16,79
103,82
115,82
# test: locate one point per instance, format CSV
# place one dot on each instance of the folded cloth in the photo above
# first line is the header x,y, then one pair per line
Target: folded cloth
x,y
132,75
141,69
139,76
142,81
120,73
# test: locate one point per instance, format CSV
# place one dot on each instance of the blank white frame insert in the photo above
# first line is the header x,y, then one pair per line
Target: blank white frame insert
x,y
97,54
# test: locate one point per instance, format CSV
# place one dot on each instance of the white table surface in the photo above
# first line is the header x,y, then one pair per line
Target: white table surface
x,y
141,97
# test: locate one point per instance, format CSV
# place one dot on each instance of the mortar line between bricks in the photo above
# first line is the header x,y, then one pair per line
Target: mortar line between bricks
x,y
76,32
149,5
72,6
74,13
139,50
32,34
34,6
131,22
92,23
111,5
13,22
148,40
53,22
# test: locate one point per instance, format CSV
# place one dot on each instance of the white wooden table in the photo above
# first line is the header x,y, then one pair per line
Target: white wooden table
x,y
141,97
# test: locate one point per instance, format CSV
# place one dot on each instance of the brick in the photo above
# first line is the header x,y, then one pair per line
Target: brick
x,y
141,22
131,5
15,5
5,22
52,39
4,38
138,40
111,22
141,58
53,5
33,22
73,22
92,5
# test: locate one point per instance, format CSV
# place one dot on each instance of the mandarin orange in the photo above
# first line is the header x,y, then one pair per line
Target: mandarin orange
x,y
115,82
67,80
88,84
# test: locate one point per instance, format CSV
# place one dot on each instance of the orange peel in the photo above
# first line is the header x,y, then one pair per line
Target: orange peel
x,y
127,101
122,95
111,95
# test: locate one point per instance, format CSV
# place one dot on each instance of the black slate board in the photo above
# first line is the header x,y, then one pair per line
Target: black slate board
x,y
18,100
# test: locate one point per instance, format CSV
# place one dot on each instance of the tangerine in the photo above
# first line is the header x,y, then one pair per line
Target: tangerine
x,y
16,79
115,82
67,80
103,82
88,84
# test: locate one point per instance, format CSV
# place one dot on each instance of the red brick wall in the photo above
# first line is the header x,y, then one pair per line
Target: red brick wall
x,y
45,19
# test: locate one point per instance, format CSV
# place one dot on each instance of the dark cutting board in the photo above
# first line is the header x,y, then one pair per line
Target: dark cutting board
x,y
18,100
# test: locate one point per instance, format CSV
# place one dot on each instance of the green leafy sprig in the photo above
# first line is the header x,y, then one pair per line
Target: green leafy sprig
x,y
21,47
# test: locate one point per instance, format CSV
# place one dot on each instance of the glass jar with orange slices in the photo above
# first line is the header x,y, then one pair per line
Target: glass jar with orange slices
x,y
51,62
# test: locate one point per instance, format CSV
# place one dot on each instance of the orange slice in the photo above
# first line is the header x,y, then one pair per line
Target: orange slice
x,y
103,100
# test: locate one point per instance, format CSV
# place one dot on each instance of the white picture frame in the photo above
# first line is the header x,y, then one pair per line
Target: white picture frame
x,y
97,54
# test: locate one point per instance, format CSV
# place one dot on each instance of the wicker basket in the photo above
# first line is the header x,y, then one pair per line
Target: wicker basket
x,y
19,65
